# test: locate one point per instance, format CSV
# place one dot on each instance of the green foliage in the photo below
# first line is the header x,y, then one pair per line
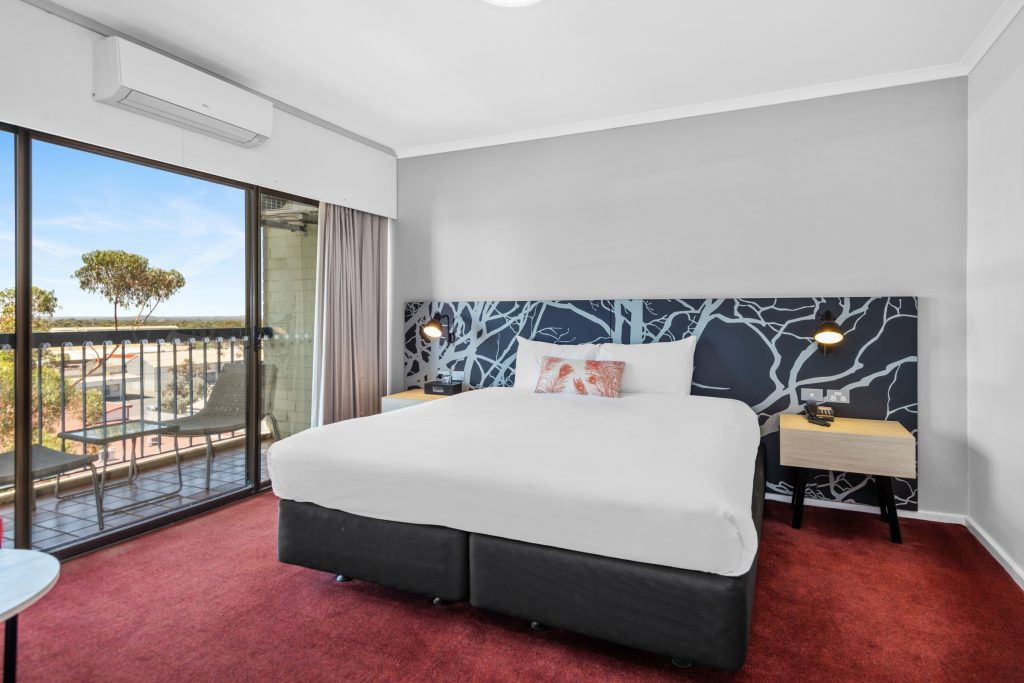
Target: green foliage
x,y
199,323
127,281
51,403
180,323
44,305
181,372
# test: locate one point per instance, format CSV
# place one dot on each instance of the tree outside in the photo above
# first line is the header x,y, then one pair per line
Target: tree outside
x,y
172,399
44,305
128,282
134,289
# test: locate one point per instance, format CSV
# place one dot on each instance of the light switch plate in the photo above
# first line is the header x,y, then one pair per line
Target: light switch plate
x,y
815,395
837,396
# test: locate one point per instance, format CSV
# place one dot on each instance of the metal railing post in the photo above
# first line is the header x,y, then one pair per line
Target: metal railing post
x,y
63,392
103,383
85,400
124,381
191,383
159,395
142,392
39,389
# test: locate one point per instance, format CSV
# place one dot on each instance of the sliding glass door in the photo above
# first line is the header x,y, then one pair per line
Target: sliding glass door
x,y
139,342
169,341
288,231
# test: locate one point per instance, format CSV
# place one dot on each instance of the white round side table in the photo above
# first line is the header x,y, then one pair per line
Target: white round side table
x,y
25,576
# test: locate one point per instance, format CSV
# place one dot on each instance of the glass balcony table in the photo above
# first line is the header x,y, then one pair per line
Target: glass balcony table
x,y
104,435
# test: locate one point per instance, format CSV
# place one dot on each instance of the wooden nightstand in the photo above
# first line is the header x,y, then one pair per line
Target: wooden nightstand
x,y
877,447
404,399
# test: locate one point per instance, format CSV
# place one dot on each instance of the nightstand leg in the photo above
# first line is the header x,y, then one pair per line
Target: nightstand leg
x,y
890,504
883,499
799,488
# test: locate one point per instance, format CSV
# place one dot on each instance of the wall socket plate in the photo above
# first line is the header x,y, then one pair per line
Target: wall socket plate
x,y
837,396
816,395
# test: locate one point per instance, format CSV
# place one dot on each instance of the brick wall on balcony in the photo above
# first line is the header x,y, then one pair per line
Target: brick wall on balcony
x,y
289,280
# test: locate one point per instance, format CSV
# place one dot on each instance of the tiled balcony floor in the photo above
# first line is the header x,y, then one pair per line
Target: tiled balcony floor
x,y
58,523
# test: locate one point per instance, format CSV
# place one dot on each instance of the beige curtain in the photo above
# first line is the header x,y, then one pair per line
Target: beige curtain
x,y
350,325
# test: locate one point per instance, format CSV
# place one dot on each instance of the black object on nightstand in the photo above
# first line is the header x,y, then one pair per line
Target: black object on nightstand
x,y
442,388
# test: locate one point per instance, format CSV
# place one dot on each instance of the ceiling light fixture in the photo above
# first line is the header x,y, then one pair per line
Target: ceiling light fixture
x,y
512,3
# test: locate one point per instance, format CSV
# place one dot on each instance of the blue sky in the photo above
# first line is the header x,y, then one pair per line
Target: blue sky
x,y
83,201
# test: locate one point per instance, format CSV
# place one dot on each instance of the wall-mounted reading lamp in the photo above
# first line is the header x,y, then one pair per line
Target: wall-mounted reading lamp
x,y
435,329
829,333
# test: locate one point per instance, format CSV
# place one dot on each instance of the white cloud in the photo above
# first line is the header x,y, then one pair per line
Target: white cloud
x,y
82,222
211,255
58,250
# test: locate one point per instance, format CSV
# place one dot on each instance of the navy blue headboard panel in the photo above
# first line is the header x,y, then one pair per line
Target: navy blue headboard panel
x,y
756,350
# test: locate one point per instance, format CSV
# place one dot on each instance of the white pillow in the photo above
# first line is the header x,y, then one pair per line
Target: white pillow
x,y
659,368
530,353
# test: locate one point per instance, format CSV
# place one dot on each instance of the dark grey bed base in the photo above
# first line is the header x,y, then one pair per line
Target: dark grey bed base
x,y
686,615
431,560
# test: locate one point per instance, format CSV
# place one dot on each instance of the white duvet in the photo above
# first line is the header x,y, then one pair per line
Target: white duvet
x,y
663,479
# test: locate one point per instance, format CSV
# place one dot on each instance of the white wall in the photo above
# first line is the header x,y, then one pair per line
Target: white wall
x,y
46,84
995,292
860,194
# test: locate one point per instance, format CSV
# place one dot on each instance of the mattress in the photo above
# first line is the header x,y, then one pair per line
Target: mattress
x,y
661,479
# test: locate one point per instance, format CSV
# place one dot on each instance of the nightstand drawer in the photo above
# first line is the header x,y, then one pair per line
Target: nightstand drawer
x,y
849,445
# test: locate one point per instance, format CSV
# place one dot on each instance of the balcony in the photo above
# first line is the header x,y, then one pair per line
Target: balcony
x,y
93,383
59,523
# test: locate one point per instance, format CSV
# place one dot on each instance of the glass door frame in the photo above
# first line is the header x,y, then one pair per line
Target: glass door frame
x,y
22,337
23,343
258,267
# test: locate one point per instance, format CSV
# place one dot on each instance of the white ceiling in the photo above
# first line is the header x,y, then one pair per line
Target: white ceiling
x,y
431,75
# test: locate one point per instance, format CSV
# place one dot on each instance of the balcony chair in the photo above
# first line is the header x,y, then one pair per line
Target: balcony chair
x,y
47,463
224,410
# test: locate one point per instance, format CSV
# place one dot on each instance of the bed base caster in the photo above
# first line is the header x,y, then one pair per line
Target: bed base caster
x,y
341,578
681,663
439,601
537,626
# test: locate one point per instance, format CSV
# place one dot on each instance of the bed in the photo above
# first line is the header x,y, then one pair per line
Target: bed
x,y
635,520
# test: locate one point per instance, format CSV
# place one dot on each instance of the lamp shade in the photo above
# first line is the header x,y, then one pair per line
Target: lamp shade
x,y
435,329
432,329
829,332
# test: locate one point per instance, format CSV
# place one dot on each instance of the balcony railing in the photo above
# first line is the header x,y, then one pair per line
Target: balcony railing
x,y
98,378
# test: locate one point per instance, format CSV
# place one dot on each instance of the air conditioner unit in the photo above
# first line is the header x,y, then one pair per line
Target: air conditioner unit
x,y
131,77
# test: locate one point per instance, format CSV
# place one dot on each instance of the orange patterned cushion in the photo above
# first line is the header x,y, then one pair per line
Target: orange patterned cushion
x,y
585,377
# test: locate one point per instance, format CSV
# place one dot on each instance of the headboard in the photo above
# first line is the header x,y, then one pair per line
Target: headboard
x,y
756,350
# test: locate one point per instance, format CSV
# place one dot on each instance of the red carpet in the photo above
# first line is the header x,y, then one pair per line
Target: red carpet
x,y
206,600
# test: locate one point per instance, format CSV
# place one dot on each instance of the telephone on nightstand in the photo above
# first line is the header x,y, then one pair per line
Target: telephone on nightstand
x,y
819,414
